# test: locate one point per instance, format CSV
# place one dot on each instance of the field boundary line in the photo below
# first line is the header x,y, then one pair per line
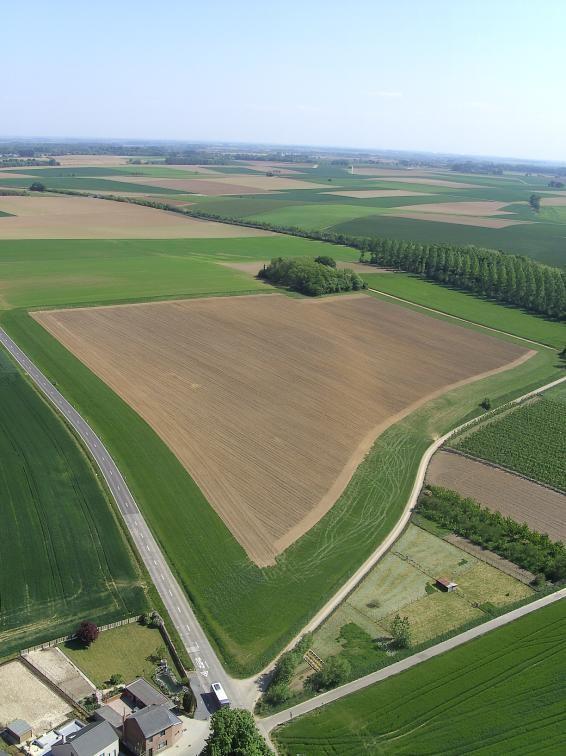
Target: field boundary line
x,y
462,320
268,723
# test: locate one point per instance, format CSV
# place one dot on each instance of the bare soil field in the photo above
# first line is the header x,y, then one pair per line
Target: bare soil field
x,y
283,396
53,663
79,161
371,193
553,201
483,208
233,184
24,696
462,220
410,179
541,508
280,168
89,218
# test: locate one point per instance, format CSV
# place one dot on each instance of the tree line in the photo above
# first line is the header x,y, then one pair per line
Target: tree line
x,y
311,277
514,541
511,279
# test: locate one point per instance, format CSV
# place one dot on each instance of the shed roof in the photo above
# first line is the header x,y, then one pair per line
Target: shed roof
x,y
18,727
154,719
147,694
108,714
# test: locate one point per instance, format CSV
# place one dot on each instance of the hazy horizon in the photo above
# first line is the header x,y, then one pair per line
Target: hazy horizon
x,y
479,80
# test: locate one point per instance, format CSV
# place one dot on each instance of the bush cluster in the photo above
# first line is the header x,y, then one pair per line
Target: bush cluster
x,y
310,277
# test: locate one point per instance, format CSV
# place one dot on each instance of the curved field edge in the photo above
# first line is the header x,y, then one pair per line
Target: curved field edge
x,y
251,613
499,693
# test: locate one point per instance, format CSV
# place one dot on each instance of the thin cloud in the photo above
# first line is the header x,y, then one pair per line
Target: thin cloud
x,y
388,94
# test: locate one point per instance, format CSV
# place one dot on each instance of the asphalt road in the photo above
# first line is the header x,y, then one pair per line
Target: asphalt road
x,y
286,716
207,666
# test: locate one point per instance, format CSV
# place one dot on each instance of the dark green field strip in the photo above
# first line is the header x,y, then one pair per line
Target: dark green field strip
x,y
85,184
62,552
469,307
502,693
542,241
5,215
232,596
530,440
103,171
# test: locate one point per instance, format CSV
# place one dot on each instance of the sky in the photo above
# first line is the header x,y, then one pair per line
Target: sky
x,y
478,77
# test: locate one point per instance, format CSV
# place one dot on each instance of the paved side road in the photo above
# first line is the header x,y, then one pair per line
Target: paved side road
x,y
206,663
283,717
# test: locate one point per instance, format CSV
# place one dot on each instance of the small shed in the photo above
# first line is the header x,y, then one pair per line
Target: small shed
x,y
18,731
445,584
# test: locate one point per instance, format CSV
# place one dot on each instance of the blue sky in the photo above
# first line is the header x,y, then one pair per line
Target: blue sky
x,y
466,76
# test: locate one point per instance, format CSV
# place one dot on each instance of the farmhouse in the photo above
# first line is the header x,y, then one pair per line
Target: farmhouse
x,y
151,729
445,584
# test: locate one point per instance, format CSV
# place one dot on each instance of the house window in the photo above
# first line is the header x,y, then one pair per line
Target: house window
x,y
162,732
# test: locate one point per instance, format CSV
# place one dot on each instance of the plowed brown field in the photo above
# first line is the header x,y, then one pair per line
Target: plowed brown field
x,y
541,508
272,402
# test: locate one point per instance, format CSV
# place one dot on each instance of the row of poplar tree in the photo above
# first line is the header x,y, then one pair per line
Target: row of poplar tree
x,y
512,279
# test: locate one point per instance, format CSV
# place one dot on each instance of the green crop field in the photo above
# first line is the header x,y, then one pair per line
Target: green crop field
x,y
96,271
502,693
469,307
530,440
313,217
63,556
231,595
84,184
155,171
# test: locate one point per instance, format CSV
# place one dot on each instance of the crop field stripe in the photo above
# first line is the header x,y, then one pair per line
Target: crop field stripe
x,y
478,695
54,507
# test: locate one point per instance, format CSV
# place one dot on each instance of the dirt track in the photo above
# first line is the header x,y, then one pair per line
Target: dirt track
x,y
283,397
541,508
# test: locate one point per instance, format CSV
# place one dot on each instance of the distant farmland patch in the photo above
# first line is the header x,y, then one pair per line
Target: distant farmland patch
x,y
373,193
479,208
55,217
284,396
462,220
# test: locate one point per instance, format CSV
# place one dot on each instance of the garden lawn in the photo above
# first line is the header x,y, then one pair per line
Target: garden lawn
x,y
502,693
122,650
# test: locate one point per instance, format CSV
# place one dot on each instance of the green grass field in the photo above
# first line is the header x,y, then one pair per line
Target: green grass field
x,y
84,184
122,650
469,307
530,440
313,217
231,595
49,273
502,693
62,553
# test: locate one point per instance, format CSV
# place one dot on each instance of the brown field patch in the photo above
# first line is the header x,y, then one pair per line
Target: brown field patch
x,y
24,696
541,508
553,201
483,208
281,168
370,193
89,218
76,161
462,220
234,184
410,179
271,402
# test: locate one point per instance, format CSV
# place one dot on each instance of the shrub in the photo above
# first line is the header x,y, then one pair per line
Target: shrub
x,y
37,186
